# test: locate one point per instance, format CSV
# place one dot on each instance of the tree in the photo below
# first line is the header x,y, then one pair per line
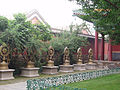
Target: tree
x,y
104,14
72,40
24,39
3,23
43,32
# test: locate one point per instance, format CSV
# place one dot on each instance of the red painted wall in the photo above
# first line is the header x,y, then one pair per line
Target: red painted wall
x,y
92,45
35,20
116,48
85,49
115,51
106,48
99,48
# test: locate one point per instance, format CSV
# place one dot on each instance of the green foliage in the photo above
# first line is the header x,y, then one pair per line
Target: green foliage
x,y
20,18
70,40
43,32
66,39
25,41
3,23
104,14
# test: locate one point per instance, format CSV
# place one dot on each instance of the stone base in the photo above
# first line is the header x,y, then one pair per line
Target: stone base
x,y
100,66
6,74
91,66
79,67
29,72
66,68
50,69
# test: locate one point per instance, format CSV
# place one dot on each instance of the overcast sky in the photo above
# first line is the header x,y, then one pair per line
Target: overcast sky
x,y
55,12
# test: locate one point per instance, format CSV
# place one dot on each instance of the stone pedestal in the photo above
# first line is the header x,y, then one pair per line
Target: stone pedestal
x,y
50,69
29,72
66,68
79,67
99,66
91,66
6,74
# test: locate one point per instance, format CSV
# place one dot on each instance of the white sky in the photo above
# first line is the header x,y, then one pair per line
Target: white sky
x,y
58,13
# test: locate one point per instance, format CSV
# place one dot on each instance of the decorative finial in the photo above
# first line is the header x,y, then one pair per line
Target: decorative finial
x,y
30,63
4,51
90,52
66,56
50,56
79,56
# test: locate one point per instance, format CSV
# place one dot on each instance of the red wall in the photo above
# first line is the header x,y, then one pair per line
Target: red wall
x,y
106,48
85,49
116,48
115,51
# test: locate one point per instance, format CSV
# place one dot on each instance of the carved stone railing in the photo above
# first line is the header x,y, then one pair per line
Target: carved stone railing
x,y
41,84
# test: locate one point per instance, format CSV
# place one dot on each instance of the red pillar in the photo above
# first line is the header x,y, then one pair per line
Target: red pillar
x,y
96,45
102,47
110,51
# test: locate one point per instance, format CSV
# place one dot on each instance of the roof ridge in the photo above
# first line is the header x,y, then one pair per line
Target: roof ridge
x,y
35,11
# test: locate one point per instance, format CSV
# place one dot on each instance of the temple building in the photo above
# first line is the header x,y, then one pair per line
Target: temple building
x,y
102,49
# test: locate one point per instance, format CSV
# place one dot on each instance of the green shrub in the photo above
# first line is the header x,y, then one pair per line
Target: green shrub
x,y
3,23
26,40
70,40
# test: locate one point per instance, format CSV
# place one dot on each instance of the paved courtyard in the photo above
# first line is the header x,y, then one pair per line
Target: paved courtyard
x,y
16,86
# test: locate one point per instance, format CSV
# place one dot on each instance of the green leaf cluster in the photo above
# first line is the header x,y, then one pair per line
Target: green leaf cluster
x,y
72,40
104,14
3,23
24,39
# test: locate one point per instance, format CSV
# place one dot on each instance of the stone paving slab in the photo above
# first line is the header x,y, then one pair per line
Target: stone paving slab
x,y
16,86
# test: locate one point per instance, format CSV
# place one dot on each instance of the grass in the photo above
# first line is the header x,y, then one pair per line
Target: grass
x,y
23,79
111,82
